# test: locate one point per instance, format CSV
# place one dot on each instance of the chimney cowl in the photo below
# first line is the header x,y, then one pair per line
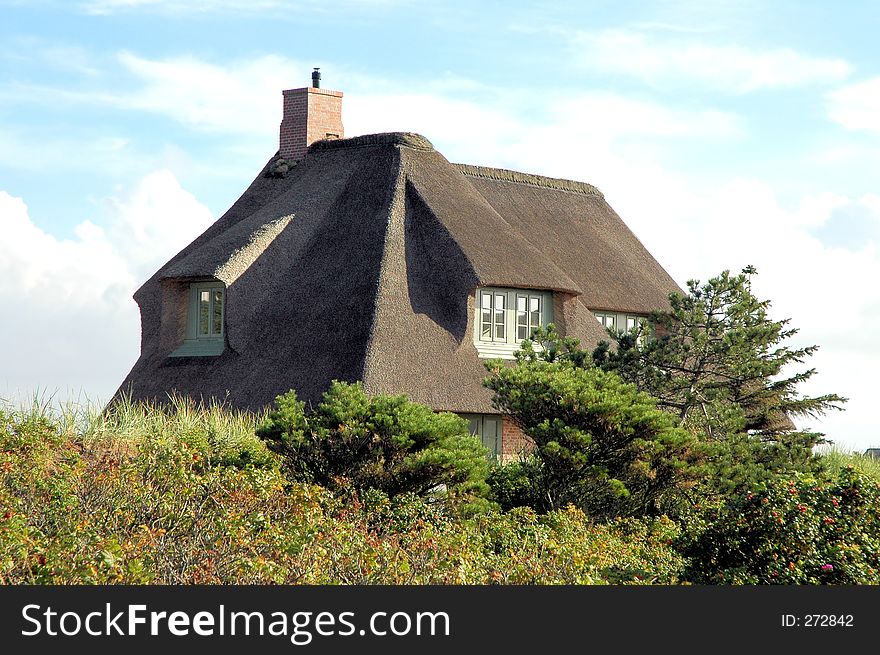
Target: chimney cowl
x,y
316,78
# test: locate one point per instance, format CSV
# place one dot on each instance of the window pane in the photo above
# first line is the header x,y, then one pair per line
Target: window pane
x,y
630,323
499,317
204,312
522,318
217,316
535,312
492,434
486,316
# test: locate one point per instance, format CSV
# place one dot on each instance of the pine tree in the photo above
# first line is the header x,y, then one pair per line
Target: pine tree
x,y
600,444
352,441
719,363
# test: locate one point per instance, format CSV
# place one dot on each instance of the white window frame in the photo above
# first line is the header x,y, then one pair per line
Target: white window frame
x,y
607,320
506,325
198,342
621,322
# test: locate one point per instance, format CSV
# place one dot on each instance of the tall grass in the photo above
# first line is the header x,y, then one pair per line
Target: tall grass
x,y
836,459
224,436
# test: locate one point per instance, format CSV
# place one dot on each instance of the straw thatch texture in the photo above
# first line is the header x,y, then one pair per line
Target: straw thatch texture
x,y
360,263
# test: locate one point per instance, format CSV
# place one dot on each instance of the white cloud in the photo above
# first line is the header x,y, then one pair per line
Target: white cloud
x,y
730,69
581,136
103,155
242,97
826,290
618,116
153,221
857,106
473,128
69,320
239,98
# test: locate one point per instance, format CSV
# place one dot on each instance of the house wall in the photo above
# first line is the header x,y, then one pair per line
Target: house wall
x,y
514,442
174,309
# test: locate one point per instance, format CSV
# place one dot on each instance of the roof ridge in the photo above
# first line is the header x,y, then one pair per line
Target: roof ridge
x,y
409,139
505,175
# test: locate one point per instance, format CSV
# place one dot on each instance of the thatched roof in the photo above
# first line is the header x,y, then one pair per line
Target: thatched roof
x,y
360,263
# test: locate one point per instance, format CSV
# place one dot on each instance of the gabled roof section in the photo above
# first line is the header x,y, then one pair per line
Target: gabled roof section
x,y
586,237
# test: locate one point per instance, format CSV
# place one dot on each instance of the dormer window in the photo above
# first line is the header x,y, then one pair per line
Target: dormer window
x,y
608,321
507,317
619,322
205,320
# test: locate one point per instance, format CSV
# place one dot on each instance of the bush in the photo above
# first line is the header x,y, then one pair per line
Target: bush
x,y
567,547
600,444
82,504
796,531
515,484
385,442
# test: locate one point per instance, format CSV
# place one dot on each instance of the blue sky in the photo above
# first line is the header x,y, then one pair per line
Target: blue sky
x,y
724,133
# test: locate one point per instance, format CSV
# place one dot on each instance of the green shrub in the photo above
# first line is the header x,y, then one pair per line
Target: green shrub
x,y
384,442
514,484
600,444
796,531
567,547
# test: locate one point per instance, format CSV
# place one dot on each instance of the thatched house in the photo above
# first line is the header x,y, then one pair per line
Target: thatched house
x,y
374,258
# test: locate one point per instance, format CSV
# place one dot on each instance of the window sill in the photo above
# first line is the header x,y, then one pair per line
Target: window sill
x,y
488,350
199,348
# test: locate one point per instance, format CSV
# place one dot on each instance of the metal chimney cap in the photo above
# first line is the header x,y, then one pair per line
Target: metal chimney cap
x,y
316,77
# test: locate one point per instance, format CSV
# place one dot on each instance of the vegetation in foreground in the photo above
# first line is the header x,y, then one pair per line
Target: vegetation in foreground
x,y
186,495
667,460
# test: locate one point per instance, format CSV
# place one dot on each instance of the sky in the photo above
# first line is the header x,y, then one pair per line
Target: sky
x,y
725,134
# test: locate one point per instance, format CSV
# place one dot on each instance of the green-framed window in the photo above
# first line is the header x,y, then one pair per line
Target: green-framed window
x,y
205,320
607,320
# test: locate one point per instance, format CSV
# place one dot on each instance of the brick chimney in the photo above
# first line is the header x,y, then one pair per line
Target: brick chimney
x,y
310,114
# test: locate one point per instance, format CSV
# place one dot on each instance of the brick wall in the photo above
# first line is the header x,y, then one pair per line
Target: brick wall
x,y
513,440
310,114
